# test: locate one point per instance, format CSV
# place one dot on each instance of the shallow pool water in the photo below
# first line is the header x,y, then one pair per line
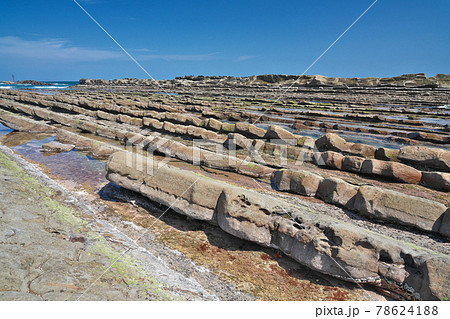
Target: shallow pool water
x,y
4,130
73,166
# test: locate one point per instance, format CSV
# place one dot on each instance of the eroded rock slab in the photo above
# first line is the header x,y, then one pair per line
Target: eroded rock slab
x,y
319,242
404,209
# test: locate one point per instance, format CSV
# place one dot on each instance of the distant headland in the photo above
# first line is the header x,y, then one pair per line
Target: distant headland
x,y
419,80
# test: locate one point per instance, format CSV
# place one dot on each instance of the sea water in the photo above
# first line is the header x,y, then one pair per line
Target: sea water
x,y
53,85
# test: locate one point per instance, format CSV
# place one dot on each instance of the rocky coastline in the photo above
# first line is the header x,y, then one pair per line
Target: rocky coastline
x,y
419,80
347,177
30,82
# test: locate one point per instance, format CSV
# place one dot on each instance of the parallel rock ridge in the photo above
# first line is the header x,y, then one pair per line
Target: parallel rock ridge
x,y
290,181
319,242
374,202
397,187
419,80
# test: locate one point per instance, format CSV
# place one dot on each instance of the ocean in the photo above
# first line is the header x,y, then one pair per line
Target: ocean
x,y
54,85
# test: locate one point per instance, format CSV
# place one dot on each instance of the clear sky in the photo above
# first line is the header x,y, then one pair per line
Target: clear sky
x,y
56,40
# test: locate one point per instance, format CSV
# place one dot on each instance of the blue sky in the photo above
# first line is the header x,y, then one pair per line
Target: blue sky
x,y
56,40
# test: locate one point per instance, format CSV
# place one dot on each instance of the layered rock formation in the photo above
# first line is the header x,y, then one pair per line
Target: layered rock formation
x,y
356,191
419,80
320,242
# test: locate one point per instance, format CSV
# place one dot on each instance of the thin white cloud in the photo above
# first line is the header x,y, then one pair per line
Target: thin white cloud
x,y
178,57
91,1
51,49
244,58
62,50
141,50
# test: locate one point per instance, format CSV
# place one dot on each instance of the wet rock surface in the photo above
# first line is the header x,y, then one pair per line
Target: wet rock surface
x,y
216,250
58,249
56,147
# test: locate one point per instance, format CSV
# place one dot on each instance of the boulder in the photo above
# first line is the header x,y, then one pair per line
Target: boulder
x,y
184,191
330,159
66,120
195,131
352,163
331,142
214,125
155,115
109,107
102,150
297,182
249,130
422,156
212,136
27,109
180,129
293,152
330,246
84,144
56,147
107,116
299,125
169,127
227,127
386,154
278,150
337,192
253,169
444,229
363,150
237,141
133,112
106,131
183,152
42,113
133,138
300,155
399,208
66,137
279,135
306,239
430,137
392,170
219,161
24,124
153,123
172,117
303,156
436,180
130,120
86,126
97,149
230,163
191,120
120,135
305,142
244,219
257,146
378,131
